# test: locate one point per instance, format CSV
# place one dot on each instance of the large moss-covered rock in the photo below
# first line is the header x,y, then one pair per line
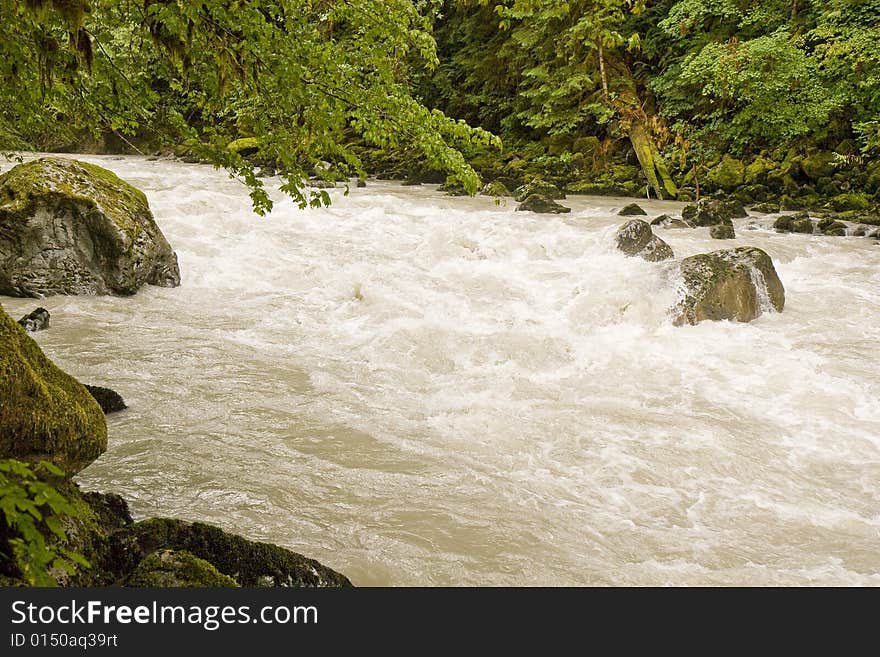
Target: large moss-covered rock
x,y
177,568
820,164
734,284
249,563
729,174
757,171
45,414
69,227
635,238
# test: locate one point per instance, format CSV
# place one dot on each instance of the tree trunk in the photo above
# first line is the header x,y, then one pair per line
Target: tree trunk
x,y
634,122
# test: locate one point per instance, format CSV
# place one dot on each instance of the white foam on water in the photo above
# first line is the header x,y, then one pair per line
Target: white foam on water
x,y
419,389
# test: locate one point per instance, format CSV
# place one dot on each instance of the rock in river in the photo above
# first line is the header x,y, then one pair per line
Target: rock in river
x,y
69,227
635,238
36,320
735,284
45,414
539,203
109,400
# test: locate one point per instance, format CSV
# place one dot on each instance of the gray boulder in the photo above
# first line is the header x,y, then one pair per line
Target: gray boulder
x,y
635,238
734,284
722,232
69,227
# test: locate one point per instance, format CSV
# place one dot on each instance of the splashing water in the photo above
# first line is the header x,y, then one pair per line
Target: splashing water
x,y
418,390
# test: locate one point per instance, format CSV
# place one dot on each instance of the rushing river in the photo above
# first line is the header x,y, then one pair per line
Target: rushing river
x,y
416,389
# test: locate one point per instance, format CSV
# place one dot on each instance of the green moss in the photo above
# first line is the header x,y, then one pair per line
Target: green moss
x,y
177,568
820,164
248,562
45,413
729,174
244,145
757,170
538,186
87,185
495,188
850,202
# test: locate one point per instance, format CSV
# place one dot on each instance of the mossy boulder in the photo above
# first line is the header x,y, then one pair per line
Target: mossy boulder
x,y
45,414
69,227
635,238
538,186
246,146
732,284
831,227
495,188
177,568
757,171
820,164
722,232
709,212
632,210
729,174
542,204
843,202
249,563
799,222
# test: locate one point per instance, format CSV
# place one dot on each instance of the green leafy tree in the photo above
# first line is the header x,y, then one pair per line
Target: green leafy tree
x,y
302,77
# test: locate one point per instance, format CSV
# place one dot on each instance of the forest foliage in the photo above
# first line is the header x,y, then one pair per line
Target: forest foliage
x,y
313,81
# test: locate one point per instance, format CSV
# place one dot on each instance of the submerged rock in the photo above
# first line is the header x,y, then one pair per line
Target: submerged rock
x,y
45,414
36,320
177,568
110,401
539,203
69,227
635,238
734,284
722,232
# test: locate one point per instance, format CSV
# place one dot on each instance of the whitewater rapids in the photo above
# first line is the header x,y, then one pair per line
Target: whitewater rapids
x,y
416,389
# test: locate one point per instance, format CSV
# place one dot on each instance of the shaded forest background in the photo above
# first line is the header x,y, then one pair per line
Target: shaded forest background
x,y
766,99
